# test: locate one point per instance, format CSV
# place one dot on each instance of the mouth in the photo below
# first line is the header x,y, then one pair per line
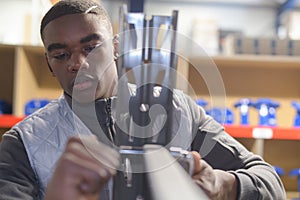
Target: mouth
x,y
83,82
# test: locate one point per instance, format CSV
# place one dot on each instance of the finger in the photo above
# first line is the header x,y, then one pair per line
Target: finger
x,y
87,179
197,157
89,149
78,154
90,182
205,172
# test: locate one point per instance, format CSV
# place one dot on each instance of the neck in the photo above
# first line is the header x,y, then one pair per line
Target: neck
x,y
70,100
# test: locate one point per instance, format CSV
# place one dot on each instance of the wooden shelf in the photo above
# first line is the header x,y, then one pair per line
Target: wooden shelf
x,y
251,76
258,61
32,78
25,76
263,132
254,77
253,61
248,75
7,121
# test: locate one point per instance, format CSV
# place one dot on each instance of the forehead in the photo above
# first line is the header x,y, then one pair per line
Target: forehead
x,y
71,28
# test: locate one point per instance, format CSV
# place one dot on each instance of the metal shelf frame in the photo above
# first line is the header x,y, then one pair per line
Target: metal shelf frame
x,y
286,6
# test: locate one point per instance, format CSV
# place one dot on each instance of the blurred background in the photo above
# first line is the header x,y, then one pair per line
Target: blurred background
x,y
255,45
199,19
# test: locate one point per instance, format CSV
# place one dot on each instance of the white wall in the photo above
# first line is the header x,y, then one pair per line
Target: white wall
x,y
252,20
14,14
12,20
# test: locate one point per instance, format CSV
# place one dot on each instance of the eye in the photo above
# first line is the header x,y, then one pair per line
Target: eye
x,y
61,56
88,49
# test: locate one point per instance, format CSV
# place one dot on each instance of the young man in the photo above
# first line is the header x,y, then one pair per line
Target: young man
x,y
53,154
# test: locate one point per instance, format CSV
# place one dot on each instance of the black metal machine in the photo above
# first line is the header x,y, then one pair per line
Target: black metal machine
x,y
148,61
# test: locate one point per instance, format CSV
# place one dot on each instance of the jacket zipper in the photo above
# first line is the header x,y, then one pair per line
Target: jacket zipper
x,y
110,121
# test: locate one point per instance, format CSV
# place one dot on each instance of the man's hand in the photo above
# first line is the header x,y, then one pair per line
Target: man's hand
x,y
217,184
83,169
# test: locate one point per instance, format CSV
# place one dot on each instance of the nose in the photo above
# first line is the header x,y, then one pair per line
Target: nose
x,y
76,62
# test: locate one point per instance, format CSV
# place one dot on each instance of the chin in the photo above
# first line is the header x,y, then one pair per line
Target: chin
x,y
84,96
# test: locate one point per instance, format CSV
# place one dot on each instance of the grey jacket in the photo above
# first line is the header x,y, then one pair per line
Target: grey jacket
x,y
44,134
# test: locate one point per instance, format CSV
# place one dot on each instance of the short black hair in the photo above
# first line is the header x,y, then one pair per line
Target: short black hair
x,y
68,7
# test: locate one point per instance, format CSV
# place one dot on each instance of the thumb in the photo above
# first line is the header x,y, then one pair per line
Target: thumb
x,y
197,158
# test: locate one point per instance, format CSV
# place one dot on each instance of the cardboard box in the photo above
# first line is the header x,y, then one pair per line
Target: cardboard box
x,y
260,46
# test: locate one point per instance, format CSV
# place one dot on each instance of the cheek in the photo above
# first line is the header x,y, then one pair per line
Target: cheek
x,y
108,76
62,80
61,76
103,67
58,72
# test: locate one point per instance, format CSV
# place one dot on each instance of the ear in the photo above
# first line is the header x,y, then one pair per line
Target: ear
x,y
50,68
116,46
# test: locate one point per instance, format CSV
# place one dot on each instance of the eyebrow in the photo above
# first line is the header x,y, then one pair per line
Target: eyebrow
x,y
86,39
91,37
54,46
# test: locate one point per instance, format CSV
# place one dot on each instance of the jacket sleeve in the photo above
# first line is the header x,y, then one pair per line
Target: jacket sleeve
x,y
257,178
17,179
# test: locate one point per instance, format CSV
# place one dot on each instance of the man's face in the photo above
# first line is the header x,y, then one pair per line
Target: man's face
x,y
79,51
